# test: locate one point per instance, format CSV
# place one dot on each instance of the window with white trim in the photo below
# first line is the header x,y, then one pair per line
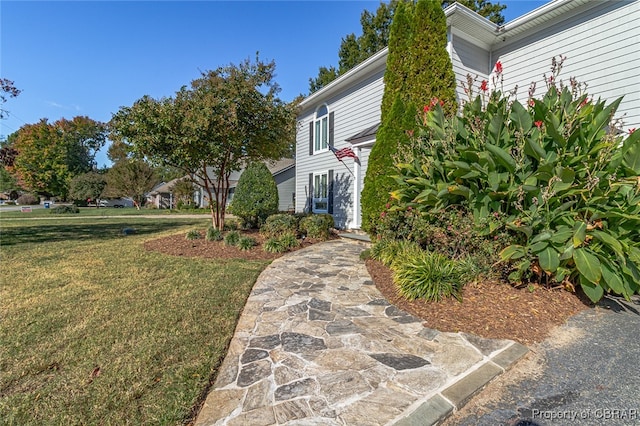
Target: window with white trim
x,y
321,129
320,192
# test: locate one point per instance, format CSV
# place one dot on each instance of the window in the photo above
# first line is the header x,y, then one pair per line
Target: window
x,y
320,192
321,129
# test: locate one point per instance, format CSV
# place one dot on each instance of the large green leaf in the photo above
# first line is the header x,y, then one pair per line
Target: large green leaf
x,y
631,149
549,259
579,233
593,291
511,252
521,117
588,264
613,280
532,148
502,156
610,241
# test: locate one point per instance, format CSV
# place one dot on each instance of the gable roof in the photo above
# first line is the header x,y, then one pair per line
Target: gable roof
x,y
279,166
365,135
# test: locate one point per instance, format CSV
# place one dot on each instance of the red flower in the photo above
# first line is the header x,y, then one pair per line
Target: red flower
x,y
434,101
409,208
383,214
538,124
426,108
441,103
632,130
499,67
532,103
387,205
484,86
584,102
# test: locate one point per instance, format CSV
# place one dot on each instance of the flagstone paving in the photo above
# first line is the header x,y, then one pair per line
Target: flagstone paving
x,y
317,344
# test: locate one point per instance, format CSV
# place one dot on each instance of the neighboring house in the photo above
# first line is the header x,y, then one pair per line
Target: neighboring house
x,y
600,39
284,174
161,196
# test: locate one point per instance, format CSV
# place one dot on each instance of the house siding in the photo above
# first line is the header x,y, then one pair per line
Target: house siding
x,y
599,38
586,40
468,59
286,182
354,110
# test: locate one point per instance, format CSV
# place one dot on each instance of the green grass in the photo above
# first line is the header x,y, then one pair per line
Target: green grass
x,y
95,330
101,212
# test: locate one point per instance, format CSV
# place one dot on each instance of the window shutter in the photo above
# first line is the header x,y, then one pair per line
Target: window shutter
x,y
330,193
311,138
310,195
331,129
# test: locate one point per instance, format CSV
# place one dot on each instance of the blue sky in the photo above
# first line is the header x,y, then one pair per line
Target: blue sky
x,y
90,58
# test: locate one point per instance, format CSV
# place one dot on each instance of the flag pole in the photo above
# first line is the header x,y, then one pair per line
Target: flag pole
x,y
347,167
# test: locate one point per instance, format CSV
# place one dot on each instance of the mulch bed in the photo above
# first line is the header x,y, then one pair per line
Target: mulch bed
x,y
489,309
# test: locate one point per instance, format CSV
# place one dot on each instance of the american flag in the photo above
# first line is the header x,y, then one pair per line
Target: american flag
x,y
344,152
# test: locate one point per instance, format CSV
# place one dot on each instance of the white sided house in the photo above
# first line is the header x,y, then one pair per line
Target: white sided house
x,y
601,40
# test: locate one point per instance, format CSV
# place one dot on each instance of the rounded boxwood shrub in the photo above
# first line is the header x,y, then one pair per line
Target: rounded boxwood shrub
x,y
256,196
317,226
279,224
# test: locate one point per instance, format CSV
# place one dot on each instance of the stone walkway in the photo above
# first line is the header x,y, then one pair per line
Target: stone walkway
x,y
317,344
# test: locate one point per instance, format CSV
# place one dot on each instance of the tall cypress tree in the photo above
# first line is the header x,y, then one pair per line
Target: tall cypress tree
x,y
418,69
392,132
430,69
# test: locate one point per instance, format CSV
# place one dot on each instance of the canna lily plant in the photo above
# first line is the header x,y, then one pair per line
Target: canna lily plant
x,y
556,172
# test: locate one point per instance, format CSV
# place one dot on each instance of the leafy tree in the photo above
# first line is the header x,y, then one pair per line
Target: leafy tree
x,y
131,178
376,33
256,195
228,117
8,182
183,191
83,138
7,90
49,155
87,186
492,12
418,37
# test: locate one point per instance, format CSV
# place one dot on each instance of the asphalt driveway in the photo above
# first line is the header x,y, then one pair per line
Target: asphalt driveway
x,y
586,373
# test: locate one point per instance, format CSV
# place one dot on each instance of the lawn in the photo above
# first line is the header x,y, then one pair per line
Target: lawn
x,y
7,213
96,330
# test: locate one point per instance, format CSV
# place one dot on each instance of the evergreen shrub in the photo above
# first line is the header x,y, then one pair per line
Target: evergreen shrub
x,y
256,196
279,224
317,226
